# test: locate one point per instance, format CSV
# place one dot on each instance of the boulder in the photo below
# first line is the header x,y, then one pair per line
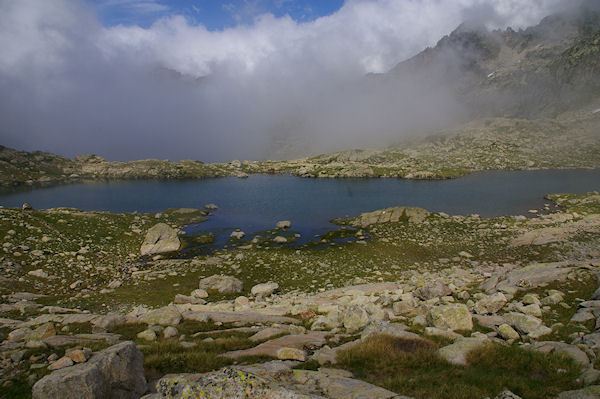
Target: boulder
x,y
78,355
456,353
226,383
237,235
283,224
591,392
61,363
170,332
291,354
109,321
181,299
147,335
452,317
562,348
223,284
161,238
165,316
355,318
264,289
507,332
526,324
114,373
327,322
435,289
490,304
199,293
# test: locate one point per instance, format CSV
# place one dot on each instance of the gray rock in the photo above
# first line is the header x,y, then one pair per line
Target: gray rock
x,y
591,392
507,395
571,351
161,238
61,363
221,283
435,289
490,304
279,240
283,224
109,321
456,353
147,335
227,383
170,332
181,299
238,235
165,316
526,324
355,318
384,327
452,316
114,373
264,289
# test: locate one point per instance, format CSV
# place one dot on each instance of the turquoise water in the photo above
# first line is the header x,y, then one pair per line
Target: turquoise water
x,y
258,202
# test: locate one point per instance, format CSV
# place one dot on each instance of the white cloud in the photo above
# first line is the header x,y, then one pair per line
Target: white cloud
x,y
97,89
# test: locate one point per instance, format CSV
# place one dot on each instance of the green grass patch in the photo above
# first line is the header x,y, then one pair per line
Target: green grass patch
x,y
414,368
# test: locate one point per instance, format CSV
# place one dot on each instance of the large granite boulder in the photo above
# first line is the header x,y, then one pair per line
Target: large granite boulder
x,y
221,283
114,373
161,238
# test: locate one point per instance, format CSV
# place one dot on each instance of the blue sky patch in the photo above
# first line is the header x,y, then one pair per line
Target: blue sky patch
x,y
214,15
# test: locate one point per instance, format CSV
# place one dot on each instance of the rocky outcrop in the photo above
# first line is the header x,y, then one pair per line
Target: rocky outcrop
x,y
272,380
114,373
161,238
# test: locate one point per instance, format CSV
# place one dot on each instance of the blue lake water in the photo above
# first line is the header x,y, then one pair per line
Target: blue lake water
x,y
258,202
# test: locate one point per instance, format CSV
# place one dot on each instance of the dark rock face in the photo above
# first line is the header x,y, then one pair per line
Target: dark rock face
x,y
114,373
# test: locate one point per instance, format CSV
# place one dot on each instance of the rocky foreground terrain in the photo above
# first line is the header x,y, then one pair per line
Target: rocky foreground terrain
x,y
414,304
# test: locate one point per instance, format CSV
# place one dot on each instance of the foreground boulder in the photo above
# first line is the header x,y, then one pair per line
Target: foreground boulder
x,y
116,372
161,238
221,283
224,384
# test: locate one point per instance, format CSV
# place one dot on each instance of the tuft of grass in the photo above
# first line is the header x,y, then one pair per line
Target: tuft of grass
x,y
19,389
414,368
